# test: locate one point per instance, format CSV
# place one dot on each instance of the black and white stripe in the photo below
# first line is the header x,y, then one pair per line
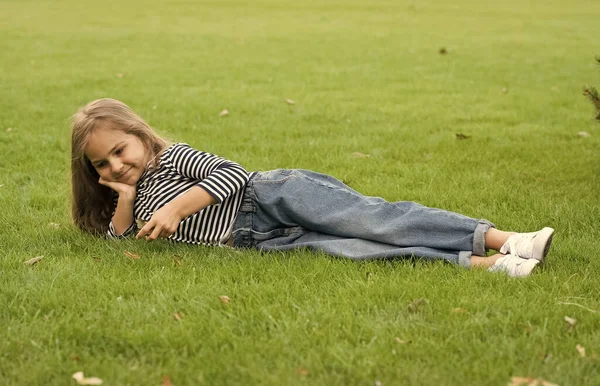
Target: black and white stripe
x,y
180,168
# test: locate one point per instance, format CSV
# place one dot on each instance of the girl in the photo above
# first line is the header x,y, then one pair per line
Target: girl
x,y
127,180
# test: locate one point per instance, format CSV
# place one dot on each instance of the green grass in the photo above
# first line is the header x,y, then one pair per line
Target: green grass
x,y
366,77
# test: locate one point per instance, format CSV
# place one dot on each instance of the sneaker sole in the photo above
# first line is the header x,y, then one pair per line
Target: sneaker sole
x,y
542,242
526,268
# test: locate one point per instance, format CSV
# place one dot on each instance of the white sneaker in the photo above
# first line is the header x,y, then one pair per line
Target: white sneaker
x,y
514,266
534,245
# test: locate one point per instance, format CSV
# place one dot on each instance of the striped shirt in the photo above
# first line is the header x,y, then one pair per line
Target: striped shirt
x,y
180,168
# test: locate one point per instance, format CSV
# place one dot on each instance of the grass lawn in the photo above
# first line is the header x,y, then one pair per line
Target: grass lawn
x,y
366,77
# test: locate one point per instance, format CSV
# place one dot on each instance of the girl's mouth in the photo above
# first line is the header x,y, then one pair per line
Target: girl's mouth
x,y
123,174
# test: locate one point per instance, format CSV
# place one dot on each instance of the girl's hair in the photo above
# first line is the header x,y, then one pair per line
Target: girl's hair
x,y
93,204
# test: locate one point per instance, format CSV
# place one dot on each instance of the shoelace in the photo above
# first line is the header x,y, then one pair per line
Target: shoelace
x,y
512,244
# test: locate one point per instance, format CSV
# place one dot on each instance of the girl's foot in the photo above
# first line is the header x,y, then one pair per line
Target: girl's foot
x,y
514,266
534,245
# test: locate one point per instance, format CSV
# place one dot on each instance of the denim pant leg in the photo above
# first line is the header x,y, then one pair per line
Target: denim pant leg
x,y
284,209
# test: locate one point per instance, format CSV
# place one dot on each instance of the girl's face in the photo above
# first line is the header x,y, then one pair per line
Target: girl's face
x,y
117,156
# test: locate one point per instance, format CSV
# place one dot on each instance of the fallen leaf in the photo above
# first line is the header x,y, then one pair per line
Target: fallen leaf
x,y
54,225
459,310
580,349
547,358
76,358
360,155
154,107
97,259
120,75
417,304
178,316
518,381
302,371
132,255
33,260
167,381
224,298
9,129
176,260
378,383
290,102
140,223
401,341
571,323
461,136
443,51
504,90
584,134
224,113
78,376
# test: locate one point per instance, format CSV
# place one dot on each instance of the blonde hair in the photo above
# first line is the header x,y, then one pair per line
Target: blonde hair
x,y
93,204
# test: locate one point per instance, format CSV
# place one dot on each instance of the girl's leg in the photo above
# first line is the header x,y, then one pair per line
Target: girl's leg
x,y
484,262
278,202
495,239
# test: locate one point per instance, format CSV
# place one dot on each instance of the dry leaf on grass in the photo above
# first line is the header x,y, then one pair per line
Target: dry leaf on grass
x,y
461,136
224,113
78,376
416,305
224,298
528,381
302,371
504,90
401,341
177,260
33,260
378,383
581,350
132,255
443,51
166,381
178,316
570,322
120,75
359,155
54,225
8,130
290,102
584,134
459,310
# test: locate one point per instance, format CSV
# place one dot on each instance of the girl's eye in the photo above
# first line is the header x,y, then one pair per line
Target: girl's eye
x,y
100,165
119,151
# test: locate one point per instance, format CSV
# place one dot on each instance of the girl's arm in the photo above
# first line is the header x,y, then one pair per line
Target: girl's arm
x,y
164,222
122,220
217,178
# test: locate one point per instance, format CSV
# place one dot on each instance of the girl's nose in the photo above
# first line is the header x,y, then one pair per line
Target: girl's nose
x,y
115,167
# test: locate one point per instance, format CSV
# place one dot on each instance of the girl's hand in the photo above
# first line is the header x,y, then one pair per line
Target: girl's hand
x,y
163,223
125,191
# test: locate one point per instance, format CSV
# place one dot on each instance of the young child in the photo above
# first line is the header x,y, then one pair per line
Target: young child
x,y
127,180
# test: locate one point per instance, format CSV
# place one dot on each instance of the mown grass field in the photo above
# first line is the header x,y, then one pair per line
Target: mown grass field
x,y
366,77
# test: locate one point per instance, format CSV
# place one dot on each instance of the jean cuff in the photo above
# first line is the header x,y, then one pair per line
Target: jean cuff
x,y
464,259
479,237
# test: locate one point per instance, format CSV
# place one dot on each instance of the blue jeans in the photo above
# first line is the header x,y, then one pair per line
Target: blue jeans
x,y
287,209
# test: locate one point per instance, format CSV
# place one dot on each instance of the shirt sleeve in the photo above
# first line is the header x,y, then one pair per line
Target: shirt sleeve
x,y
112,234
219,177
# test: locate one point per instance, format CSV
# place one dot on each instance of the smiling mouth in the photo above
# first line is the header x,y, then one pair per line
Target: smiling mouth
x,y
123,174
